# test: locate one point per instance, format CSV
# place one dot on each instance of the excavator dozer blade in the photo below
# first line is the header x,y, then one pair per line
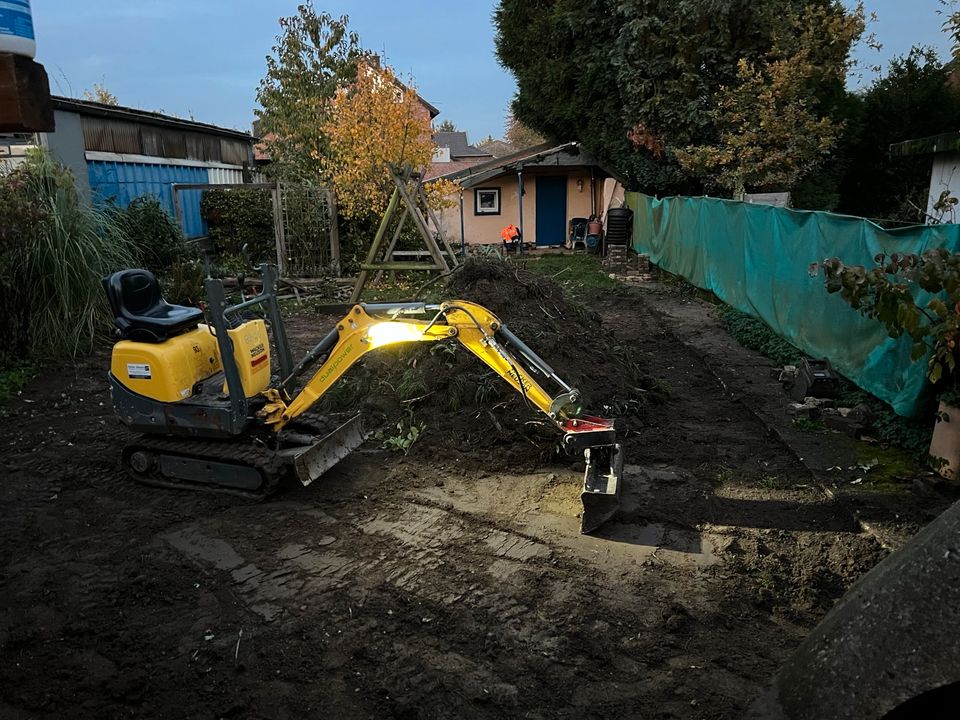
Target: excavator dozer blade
x,y
601,486
314,460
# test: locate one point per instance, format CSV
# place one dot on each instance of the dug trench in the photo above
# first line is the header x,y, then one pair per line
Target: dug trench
x,y
443,579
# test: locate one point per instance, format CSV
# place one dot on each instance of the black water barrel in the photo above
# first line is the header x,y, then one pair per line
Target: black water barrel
x,y
619,226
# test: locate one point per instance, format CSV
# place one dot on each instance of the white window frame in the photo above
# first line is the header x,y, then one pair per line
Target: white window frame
x,y
477,210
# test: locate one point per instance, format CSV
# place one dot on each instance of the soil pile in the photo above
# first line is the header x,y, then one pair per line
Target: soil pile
x,y
454,402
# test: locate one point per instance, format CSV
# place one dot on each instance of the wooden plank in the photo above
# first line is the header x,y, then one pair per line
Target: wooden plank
x,y
443,237
412,253
25,104
375,247
279,239
388,255
421,225
397,265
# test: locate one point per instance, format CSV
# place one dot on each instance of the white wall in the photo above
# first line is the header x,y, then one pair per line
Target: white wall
x,y
945,176
67,145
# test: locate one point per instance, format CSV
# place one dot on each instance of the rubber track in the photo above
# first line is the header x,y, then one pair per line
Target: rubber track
x,y
241,451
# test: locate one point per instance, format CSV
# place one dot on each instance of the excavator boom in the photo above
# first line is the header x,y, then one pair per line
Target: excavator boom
x,y
369,327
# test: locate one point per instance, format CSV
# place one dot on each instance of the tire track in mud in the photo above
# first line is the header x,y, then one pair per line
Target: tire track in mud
x,y
469,612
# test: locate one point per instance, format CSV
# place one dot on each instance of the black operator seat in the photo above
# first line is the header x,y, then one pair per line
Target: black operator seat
x,y
139,310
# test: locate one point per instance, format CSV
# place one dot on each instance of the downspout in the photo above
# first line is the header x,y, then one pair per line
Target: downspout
x,y
520,204
463,241
593,191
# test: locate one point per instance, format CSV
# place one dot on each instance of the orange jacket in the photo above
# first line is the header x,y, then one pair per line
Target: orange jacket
x,y
510,233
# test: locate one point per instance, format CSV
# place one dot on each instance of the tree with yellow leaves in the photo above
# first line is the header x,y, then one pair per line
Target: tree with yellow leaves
x,y
375,122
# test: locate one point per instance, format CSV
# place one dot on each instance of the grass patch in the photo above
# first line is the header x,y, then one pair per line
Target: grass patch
x,y
770,482
723,476
889,467
576,274
680,286
808,425
14,379
910,434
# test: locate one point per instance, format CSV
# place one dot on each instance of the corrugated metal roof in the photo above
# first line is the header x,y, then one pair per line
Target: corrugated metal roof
x,y
87,108
224,176
233,152
132,138
442,169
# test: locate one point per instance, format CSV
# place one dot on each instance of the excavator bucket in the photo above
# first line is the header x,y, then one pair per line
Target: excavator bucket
x,y
312,461
601,486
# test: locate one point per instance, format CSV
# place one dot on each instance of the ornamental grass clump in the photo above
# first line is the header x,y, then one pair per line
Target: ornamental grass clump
x,y
54,250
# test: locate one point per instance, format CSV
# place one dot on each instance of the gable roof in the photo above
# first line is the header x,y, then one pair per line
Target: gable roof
x,y
546,155
498,148
432,109
457,142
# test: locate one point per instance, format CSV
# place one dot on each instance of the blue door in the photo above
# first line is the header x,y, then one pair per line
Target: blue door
x,y
551,209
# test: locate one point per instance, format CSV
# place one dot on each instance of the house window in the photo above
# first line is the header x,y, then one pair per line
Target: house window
x,y
486,201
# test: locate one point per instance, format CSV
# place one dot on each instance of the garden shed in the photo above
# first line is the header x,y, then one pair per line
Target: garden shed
x,y
119,153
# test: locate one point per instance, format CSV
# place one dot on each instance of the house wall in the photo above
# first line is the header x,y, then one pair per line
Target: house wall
x,y
945,176
66,144
485,229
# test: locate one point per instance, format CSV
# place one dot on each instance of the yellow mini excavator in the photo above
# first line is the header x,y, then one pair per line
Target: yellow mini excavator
x,y
215,410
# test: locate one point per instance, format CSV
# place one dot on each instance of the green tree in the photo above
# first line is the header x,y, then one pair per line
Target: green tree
x,y
314,54
951,25
633,81
447,126
566,80
915,99
771,130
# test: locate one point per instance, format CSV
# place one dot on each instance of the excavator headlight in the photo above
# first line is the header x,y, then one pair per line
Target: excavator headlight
x,y
388,333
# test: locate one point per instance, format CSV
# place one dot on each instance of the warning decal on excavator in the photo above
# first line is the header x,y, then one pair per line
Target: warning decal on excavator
x,y
138,371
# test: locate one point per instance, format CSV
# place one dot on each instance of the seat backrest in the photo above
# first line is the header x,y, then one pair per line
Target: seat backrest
x,y
132,292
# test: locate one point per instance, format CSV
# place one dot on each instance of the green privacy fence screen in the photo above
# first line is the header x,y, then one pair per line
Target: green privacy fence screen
x,y
755,258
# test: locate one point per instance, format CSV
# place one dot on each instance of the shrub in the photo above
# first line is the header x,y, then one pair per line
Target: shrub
x,y
890,292
54,249
240,217
155,236
757,335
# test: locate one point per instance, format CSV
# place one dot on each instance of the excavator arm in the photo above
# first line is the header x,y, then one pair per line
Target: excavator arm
x,y
369,327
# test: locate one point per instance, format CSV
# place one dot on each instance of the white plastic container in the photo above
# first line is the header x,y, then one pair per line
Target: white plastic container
x,y
16,28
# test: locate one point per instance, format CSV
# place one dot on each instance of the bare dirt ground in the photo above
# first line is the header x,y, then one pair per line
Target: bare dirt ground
x,y
420,586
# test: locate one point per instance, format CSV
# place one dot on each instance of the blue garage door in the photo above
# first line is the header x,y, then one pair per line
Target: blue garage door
x,y
123,182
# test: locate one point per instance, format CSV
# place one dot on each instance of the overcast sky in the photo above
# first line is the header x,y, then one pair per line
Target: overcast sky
x,y
205,57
